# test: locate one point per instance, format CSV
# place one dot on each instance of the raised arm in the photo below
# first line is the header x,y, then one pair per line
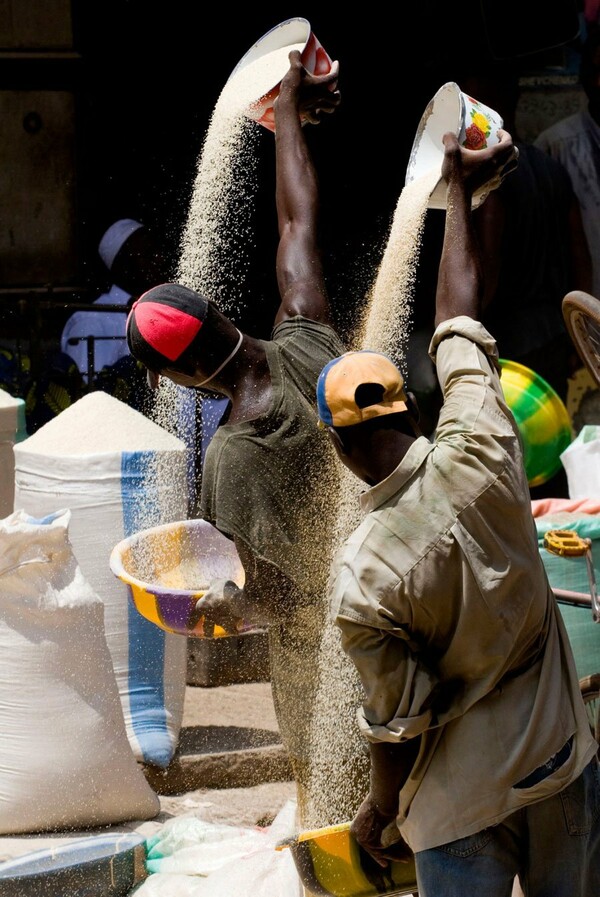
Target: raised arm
x,y
460,277
299,269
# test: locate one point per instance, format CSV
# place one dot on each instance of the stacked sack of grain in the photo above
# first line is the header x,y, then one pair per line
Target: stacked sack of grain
x,y
12,429
117,472
65,761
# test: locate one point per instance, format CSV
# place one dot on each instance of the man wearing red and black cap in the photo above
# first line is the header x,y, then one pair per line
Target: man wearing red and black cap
x,y
482,758
269,474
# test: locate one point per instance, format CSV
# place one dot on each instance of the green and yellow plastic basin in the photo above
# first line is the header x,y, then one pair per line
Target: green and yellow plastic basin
x,y
169,568
330,863
542,418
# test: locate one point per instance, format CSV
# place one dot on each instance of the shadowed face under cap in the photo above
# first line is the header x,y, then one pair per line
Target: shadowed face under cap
x,y
358,386
163,323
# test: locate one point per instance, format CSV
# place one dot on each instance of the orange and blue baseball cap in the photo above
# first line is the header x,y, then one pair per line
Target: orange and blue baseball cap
x,y
163,323
358,386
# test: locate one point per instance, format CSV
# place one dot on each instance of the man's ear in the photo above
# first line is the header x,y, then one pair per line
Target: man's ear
x,y
412,406
337,441
152,378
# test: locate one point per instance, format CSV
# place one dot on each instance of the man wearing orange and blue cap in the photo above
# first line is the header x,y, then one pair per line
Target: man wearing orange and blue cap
x,y
482,760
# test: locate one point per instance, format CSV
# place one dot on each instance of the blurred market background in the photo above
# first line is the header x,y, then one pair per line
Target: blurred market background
x,y
104,107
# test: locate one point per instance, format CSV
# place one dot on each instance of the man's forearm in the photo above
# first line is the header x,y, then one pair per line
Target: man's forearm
x,y
391,765
460,283
296,183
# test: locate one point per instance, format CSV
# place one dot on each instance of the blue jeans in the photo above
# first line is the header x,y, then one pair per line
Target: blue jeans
x,y
553,846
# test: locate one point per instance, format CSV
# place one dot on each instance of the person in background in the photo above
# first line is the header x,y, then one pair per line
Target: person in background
x,y
575,142
534,251
262,477
133,259
482,759
534,247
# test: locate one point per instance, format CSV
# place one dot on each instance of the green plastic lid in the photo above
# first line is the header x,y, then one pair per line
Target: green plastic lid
x,y
542,418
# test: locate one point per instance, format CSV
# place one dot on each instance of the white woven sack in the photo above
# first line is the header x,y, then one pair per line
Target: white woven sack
x,y
118,473
65,760
12,413
581,461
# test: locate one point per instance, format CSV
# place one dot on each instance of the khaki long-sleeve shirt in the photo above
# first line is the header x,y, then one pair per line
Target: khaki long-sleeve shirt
x,y
446,610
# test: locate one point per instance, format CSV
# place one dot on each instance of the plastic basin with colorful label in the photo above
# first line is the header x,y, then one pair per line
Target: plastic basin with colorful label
x,y
542,418
331,864
475,125
168,569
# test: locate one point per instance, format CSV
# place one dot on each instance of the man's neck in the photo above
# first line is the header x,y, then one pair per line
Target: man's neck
x,y
391,448
248,383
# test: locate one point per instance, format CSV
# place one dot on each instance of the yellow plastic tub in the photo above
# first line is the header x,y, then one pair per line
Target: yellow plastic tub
x,y
168,568
331,864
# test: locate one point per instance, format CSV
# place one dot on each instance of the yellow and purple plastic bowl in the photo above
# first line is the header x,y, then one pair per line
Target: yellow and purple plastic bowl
x,y
330,863
168,569
542,418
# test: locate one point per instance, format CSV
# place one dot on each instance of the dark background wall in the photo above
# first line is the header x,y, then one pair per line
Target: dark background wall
x,y
104,107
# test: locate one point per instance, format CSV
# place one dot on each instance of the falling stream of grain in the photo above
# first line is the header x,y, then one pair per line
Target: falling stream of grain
x,y
218,228
339,767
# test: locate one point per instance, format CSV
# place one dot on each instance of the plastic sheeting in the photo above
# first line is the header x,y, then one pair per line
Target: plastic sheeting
x,y
194,858
571,574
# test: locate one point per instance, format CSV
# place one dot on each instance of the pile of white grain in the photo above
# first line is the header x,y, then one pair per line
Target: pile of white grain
x,y
96,424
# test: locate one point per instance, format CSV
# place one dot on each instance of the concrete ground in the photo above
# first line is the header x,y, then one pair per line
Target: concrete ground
x,y
230,740
253,781
230,769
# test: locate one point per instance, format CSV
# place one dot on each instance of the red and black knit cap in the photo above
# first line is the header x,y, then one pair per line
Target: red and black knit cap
x,y
163,323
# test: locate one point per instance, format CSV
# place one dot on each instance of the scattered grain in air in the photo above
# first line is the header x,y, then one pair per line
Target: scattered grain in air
x,y
216,240
218,233
339,774
218,236
387,324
